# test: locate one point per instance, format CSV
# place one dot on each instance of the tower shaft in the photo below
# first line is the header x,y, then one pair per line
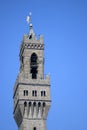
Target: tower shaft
x,y
32,88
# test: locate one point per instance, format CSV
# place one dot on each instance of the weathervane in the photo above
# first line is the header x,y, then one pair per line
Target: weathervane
x,y
28,19
31,31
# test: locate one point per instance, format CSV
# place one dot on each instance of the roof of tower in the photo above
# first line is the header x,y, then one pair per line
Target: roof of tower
x,y
31,30
31,37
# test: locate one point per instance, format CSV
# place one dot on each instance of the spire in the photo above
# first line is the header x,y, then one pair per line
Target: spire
x,y
31,32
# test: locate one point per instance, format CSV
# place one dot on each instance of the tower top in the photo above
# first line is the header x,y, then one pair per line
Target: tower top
x,y
31,31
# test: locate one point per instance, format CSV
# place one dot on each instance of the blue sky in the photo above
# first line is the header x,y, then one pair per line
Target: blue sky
x,y
64,26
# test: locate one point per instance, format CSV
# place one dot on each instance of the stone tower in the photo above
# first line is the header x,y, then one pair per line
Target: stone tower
x,y
32,88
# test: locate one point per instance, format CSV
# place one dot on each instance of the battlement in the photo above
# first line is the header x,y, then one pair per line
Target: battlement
x,y
28,39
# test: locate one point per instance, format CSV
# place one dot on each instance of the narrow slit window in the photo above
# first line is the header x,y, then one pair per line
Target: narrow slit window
x,y
44,93
41,93
35,93
26,92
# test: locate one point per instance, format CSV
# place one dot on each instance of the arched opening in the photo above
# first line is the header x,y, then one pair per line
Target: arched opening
x,y
25,104
34,104
33,66
44,104
29,104
39,104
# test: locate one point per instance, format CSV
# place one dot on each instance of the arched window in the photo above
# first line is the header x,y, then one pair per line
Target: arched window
x,y
34,93
34,128
33,66
25,92
43,93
